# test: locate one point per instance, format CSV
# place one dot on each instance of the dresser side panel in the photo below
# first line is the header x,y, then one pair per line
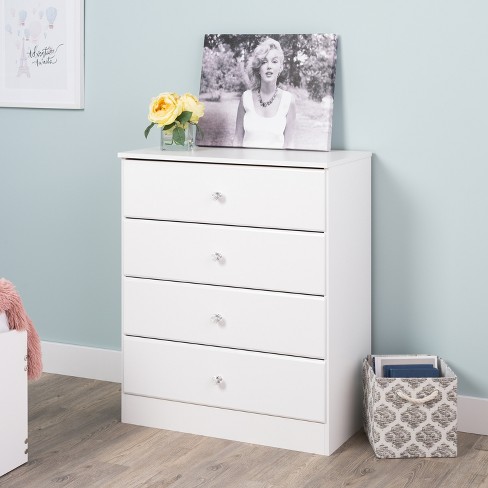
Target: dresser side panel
x,y
349,294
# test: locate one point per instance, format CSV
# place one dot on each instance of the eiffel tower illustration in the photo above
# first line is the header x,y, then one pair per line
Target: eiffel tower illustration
x,y
23,68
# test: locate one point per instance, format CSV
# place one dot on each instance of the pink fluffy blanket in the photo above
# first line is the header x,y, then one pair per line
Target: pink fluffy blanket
x,y
11,304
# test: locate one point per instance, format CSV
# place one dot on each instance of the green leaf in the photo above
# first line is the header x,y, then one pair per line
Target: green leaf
x,y
167,127
184,117
148,128
179,136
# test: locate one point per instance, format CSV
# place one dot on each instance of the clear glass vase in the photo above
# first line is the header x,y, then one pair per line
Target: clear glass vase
x,y
169,142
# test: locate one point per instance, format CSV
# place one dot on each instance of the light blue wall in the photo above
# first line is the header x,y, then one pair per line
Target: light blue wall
x,y
412,87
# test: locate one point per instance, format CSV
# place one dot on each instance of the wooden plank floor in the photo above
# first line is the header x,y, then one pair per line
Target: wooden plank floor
x,y
76,440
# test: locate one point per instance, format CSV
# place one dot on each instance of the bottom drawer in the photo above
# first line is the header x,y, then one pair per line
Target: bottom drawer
x,y
215,376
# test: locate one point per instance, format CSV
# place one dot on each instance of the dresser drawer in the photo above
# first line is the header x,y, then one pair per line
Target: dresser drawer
x,y
284,198
246,319
264,259
253,382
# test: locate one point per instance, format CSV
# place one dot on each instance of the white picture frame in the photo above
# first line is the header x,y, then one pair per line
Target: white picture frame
x,y
42,54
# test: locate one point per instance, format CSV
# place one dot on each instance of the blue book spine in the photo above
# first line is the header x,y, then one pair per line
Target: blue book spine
x,y
387,367
414,373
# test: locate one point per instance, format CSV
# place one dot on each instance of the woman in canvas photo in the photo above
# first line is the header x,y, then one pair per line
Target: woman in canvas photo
x,y
266,113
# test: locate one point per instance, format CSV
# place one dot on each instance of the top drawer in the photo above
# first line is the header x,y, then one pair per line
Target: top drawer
x,y
281,198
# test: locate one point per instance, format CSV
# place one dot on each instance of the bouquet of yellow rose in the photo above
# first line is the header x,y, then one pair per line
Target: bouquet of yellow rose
x,y
173,113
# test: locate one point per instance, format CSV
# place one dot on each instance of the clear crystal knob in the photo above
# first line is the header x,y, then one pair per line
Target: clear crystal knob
x,y
217,318
217,196
217,257
218,379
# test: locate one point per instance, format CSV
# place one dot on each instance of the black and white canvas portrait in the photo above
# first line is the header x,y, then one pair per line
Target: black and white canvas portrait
x,y
268,90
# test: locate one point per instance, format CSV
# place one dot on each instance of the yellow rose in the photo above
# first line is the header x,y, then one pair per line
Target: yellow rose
x,y
164,108
191,104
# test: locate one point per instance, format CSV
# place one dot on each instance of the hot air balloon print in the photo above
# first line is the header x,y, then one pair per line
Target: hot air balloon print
x,y
41,14
27,34
8,28
22,17
51,13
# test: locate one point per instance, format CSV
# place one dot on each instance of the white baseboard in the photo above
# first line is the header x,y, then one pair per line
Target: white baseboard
x,y
82,361
106,365
473,415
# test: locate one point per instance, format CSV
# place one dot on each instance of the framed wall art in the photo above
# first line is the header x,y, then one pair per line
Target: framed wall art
x,y
268,90
41,53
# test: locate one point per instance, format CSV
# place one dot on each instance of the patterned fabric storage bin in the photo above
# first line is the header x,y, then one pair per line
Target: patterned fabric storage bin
x,y
411,417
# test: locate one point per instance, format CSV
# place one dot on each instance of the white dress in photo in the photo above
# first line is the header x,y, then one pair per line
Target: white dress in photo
x,y
267,132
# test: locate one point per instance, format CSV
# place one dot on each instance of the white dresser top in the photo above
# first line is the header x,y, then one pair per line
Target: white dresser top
x,y
259,157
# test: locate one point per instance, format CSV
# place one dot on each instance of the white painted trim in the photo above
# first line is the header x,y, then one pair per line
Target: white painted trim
x,y
106,365
473,415
82,361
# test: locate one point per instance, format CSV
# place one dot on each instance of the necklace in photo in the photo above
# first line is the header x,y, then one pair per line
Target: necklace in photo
x,y
270,101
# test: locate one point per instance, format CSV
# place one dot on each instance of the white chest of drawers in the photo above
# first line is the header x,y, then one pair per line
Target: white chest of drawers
x,y
246,293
